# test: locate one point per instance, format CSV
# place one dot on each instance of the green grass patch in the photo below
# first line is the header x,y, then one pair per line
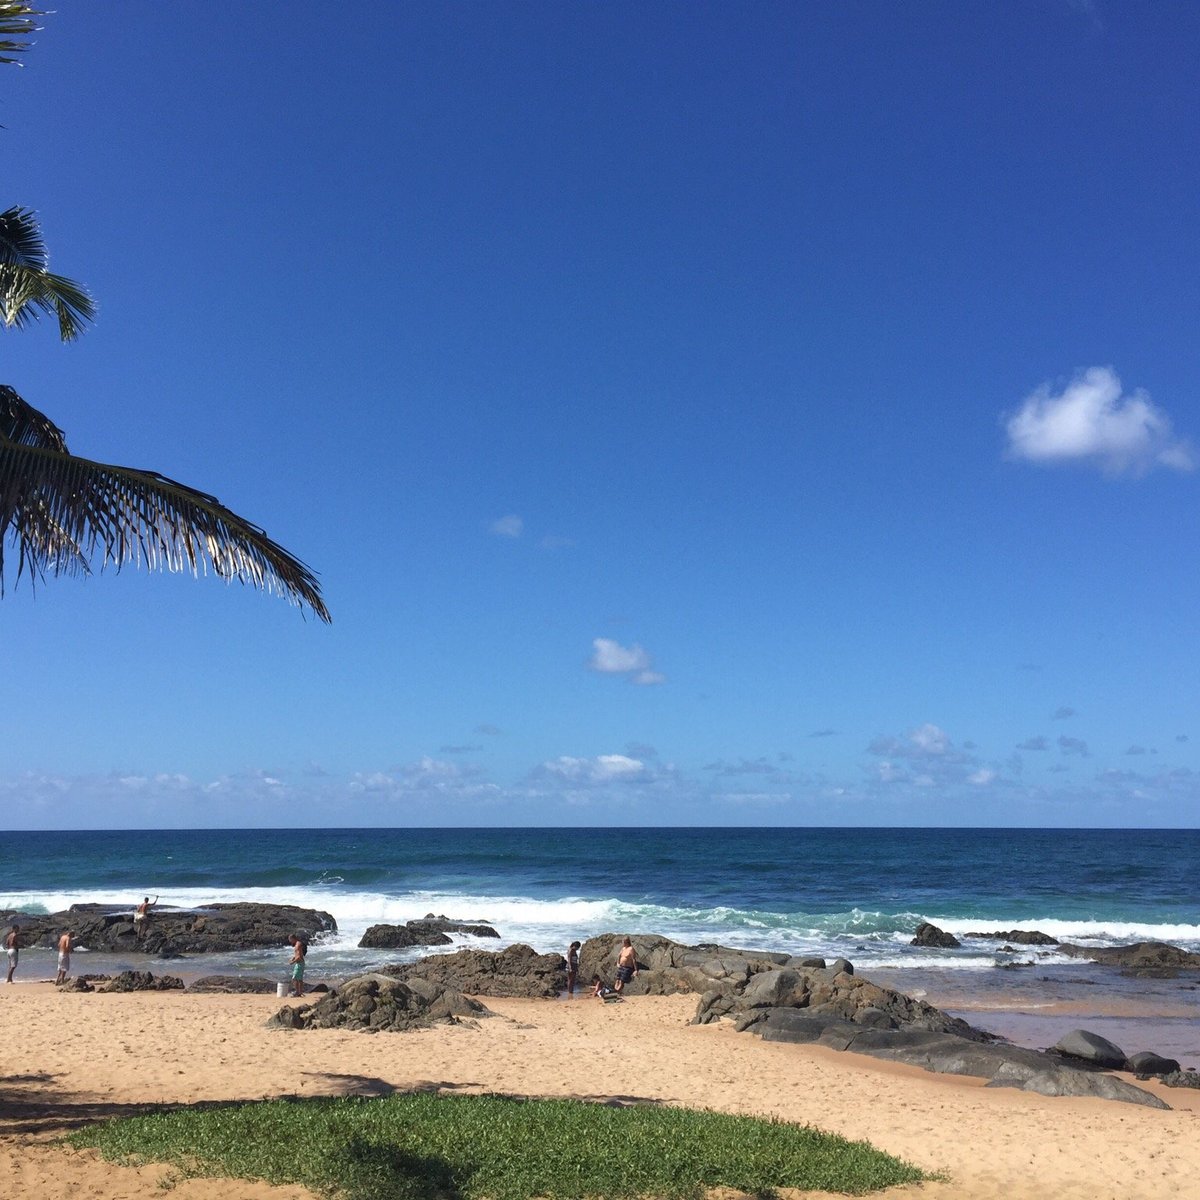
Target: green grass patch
x,y
423,1146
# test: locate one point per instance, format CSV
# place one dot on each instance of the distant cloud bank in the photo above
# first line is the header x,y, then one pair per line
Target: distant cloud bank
x,y
1090,420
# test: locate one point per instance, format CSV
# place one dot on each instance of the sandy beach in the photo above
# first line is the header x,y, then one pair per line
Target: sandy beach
x,y
72,1058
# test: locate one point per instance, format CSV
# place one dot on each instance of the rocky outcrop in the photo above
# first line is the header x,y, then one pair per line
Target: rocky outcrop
x,y
1146,1062
827,996
218,928
1188,1079
666,967
429,931
947,1053
1147,957
236,984
380,1003
1090,1049
142,981
515,971
931,935
1020,937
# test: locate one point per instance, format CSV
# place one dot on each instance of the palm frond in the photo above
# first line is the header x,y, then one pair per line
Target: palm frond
x,y
28,287
20,422
62,509
16,21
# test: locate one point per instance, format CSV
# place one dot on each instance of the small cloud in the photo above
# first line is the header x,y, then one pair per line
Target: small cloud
x,y
1090,420
1034,743
1057,767
550,542
1029,666
1136,750
1062,713
1073,745
1182,737
458,749
611,658
642,750
604,768
822,733
982,777
510,527
488,730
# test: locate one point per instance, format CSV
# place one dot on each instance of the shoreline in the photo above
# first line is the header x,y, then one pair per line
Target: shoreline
x,y
82,1056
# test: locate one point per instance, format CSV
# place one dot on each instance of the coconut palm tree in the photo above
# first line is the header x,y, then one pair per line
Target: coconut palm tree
x,y
62,511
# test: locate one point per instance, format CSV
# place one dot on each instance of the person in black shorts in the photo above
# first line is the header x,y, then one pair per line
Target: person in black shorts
x,y
627,966
572,967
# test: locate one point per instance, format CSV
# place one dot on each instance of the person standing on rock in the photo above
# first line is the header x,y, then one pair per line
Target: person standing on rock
x,y
572,967
64,957
299,951
627,967
12,943
141,917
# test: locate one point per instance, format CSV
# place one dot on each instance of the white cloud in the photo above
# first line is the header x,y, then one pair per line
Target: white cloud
x,y
510,526
1090,420
982,777
604,768
611,658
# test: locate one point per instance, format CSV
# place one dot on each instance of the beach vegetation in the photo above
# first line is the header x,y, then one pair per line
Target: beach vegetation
x,y
64,512
422,1145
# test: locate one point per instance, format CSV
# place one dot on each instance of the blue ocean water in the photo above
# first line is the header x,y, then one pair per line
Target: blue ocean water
x,y
857,892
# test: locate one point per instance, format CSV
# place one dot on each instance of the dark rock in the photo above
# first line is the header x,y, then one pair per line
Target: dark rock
x,y
806,962
666,967
1188,1079
1141,956
142,981
396,937
832,996
218,928
1090,1048
931,935
1022,937
515,971
946,1053
77,984
1146,1062
380,1003
841,964
431,931
234,983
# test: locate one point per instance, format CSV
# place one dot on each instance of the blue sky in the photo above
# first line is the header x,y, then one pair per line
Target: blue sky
x,y
697,414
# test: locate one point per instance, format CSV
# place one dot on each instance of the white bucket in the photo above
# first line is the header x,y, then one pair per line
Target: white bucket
x,y
281,990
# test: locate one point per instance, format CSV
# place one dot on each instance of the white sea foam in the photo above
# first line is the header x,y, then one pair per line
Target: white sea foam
x,y
870,937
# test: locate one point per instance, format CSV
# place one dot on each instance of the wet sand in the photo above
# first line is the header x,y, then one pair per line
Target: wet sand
x,y
77,1057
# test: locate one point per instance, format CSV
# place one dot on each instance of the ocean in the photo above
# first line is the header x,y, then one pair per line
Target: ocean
x,y
853,893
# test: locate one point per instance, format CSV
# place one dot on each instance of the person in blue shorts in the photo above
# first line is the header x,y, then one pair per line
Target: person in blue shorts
x,y
299,952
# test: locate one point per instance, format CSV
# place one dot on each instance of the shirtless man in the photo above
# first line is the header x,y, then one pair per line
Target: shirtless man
x,y
64,957
141,916
627,967
12,943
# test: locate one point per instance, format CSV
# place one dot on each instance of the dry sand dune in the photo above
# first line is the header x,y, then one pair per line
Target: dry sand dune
x,y
70,1058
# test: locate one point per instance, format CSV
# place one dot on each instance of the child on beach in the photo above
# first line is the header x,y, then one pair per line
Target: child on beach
x,y
601,990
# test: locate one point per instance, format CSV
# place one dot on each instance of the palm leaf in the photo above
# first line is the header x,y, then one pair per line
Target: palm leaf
x,y
62,509
28,287
16,21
